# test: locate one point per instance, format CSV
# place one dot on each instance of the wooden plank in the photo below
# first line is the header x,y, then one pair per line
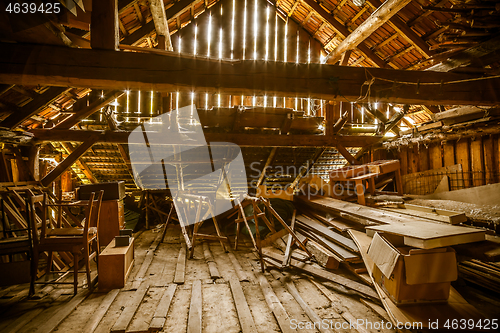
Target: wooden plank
x,y
64,310
242,276
428,235
247,323
104,25
212,266
489,160
477,163
99,313
161,312
53,65
403,158
148,259
449,153
423,161
339,307
431,215
131,307
274,304
336,249
195,309
81,164
436,160
290,286
181,265
321,273
21,321
323,256
288,250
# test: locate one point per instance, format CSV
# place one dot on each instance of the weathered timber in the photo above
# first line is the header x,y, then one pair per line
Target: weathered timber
x,y
161,25
104,25
241,139
81,164
365,29
102,69
342,30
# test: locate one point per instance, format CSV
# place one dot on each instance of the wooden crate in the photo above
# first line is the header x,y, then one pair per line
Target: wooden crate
x,y
115,264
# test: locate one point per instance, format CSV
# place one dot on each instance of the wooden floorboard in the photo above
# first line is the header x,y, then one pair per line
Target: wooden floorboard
x,y
195,309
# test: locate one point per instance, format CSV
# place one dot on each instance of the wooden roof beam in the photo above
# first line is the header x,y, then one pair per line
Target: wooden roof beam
x,y
342,30
171,14
81,164
241,139
89,110
32,108
161,24
380,16
168,71
404,30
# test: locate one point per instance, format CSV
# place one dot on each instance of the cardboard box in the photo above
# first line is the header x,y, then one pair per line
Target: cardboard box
x,y
410,275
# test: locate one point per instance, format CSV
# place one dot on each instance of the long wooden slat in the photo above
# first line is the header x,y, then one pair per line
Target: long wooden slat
x,y
65,310
33,107
131,307
247,323
195,309
321,273
139,277
160,315
99,313
81,164
212,266
68,161
103,69
180,269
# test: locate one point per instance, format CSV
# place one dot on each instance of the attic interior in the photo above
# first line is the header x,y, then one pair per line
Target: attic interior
x,y
250,165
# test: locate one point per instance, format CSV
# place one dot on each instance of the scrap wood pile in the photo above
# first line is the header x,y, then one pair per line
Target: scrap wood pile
x,y
410,261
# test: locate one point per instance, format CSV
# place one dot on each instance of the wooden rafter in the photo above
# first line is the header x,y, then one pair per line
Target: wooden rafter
x,y
365,29
161,24
241,139
342,30
68,161
81,164
171,13
89,110
168,71
404,30
35,106
269,160
345,153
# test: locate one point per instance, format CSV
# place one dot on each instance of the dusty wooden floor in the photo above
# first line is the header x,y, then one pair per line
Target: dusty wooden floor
x,y
240,299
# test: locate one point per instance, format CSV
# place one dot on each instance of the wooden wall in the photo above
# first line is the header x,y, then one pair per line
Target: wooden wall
x,y
479,157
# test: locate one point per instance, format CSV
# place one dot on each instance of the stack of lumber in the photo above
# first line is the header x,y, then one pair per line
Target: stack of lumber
x,y
486,275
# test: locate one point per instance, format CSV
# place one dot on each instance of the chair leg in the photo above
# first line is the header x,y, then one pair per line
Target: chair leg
x,y
75,272
33,271
87,267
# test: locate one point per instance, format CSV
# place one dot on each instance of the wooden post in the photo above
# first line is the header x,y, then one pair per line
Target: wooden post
x,y
105,31
147,209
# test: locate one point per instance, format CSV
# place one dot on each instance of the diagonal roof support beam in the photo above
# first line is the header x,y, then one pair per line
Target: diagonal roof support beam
x,y
161,24
365,29
342,30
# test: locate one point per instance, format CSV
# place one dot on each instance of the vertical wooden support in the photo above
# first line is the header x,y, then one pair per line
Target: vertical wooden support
x,y
413,159
403,159
34,162
477,164
104,28
329,118
489,160
436,160
463,157
449,153
147,209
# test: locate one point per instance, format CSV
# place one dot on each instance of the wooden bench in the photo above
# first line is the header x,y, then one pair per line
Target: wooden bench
x,y
115,264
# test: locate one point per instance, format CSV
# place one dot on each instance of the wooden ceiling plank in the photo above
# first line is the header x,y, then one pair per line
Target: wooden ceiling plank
x,y
241,139
32,108
342,30
161,24
168,71
380,16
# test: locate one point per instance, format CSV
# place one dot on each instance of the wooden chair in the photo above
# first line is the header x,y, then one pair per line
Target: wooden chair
x,y
78,241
